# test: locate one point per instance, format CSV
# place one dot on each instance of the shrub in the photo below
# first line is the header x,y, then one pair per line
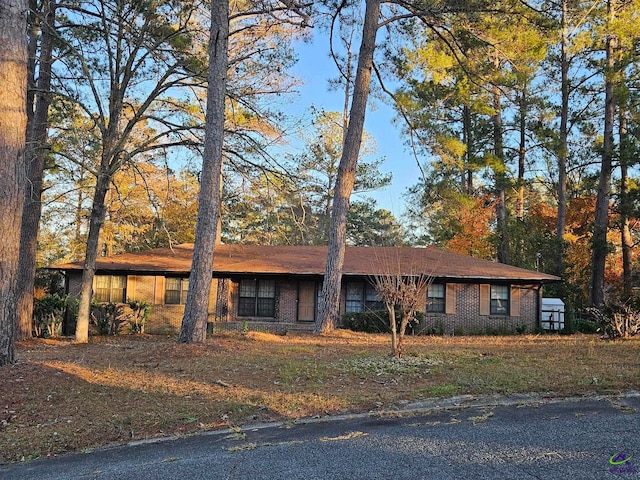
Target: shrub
x,y
585,325
48,315
619,320
140,311
623,323
458,332
614,320
498,331
73,307
371,321
49,281
107,317
521,329
375,321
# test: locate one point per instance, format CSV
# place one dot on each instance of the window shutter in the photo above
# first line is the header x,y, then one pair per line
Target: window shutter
x,y
131,288
485,296
158,298
515,302
450,299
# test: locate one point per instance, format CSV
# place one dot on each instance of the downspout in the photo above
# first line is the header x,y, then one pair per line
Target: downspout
x,y
67,313
539,308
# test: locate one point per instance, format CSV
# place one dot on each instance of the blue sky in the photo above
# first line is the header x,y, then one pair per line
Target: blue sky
x,y
314,69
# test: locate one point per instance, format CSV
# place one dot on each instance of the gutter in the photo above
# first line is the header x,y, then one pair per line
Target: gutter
x,y
539,307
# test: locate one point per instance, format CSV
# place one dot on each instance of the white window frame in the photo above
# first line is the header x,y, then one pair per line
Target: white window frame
x,y
114,294
437,303
183,287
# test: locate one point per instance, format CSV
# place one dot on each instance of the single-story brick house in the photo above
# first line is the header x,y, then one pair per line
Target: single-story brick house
x,y
276,288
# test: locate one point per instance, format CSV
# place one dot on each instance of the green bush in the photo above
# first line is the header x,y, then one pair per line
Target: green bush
x,y
73,307
107,317
375,321
50,281
140,311
521,329
48,315
585,325
458,332
372,321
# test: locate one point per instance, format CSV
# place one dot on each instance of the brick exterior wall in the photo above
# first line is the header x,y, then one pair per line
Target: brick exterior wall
x,y
223,315
164,319
286,309
288,305
467,319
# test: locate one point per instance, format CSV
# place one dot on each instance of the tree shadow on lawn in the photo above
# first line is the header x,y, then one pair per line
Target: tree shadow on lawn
x,y
53,407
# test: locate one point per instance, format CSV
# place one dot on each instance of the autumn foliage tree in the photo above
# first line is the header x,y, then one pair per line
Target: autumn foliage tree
x,y
443,215
150,206
112,49
505,106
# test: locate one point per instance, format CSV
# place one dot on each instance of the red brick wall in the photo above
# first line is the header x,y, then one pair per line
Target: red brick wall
x,y
285,308
468,321
166,319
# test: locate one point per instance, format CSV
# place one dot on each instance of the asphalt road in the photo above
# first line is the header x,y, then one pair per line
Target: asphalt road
x,y
591,438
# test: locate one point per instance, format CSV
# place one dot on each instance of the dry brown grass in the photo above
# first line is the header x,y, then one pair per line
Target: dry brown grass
x,y
62,397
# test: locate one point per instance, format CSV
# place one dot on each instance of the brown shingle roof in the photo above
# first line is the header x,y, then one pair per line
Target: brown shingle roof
x,y
305,260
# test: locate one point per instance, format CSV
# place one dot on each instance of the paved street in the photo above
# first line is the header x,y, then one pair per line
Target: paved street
x,y
593,438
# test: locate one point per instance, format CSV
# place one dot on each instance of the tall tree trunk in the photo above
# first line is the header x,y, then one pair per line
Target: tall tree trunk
x,y
37,128
523,106
347,92
325,220
404,323
522,151
13,124
98,213
78,235
563,147
625,207
467,137
194,321
394,333
110,162
501,205
601,223
330,299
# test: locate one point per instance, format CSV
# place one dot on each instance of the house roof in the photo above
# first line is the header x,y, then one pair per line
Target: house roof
x,y
309,260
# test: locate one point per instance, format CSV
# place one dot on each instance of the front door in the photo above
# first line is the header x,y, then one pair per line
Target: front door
x,y
306,301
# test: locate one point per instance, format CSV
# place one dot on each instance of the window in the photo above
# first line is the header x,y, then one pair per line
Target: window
x,y
436,298
175,290
257,298
110,288
371,300
362,296
354,300
499,300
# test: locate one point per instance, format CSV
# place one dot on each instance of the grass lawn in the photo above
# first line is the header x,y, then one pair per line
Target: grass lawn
x,y
61,397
